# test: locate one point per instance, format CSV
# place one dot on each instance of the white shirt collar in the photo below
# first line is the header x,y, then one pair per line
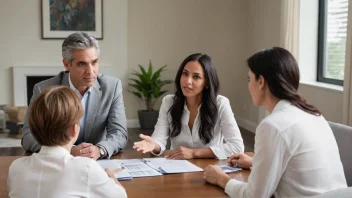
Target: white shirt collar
x,y
54,149
186,108
280,105
74,88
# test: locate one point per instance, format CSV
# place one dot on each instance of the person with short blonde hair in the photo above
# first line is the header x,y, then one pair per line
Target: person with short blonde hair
x,y
54,172
53,115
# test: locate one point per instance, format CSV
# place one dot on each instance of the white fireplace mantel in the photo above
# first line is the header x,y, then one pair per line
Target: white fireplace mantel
x,y
20,74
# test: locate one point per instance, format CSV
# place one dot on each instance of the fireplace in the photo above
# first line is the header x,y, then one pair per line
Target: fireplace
x,y
31,81
25,77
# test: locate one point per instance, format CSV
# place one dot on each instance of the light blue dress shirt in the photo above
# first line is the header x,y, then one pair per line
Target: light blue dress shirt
x,y
84,102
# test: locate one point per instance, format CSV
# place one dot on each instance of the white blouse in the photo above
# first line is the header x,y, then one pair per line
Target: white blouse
x,y
53,172
227,137
296,155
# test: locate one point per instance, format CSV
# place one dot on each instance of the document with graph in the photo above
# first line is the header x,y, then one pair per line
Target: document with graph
x,y
147,167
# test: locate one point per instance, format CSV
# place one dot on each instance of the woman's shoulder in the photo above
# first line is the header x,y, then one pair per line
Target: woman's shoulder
x,y
222,100
168,99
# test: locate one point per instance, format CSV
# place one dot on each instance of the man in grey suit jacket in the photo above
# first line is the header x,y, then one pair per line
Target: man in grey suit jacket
x,y
103,129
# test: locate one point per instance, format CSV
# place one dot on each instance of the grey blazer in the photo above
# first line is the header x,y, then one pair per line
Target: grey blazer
x,y
106,119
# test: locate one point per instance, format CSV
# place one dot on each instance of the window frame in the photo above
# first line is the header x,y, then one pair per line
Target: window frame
x,y
322,32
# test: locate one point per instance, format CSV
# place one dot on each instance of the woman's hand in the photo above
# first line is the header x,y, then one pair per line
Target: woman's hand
x,y
146,145
111,174
181,153
214,175
240,160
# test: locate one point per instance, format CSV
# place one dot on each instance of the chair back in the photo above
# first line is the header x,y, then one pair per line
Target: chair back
x,y
343,136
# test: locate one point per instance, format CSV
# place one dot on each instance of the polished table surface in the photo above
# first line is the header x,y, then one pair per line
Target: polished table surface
x,y
166,186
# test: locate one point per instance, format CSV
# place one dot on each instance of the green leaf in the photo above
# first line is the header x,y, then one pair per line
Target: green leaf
x,y
137,94
157,73
147,85
150,69
139,88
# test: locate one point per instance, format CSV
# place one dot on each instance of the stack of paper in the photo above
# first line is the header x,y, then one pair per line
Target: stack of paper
x,y
147,167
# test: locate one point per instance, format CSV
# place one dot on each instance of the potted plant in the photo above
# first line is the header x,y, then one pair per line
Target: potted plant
x,y
148,87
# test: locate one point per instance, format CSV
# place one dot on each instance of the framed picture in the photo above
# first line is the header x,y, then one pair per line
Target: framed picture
x,y
61,18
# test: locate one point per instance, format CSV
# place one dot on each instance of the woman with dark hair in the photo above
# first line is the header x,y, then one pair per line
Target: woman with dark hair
x,y
197,119
295,150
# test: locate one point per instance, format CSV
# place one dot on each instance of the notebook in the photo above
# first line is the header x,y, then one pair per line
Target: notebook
x,y
148,167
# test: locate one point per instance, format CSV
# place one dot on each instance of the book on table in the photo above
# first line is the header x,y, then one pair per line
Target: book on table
x,y
147,167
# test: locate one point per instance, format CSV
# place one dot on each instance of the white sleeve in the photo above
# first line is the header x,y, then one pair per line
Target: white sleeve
x,y
100,185
162,127
230,131
268,165
12,184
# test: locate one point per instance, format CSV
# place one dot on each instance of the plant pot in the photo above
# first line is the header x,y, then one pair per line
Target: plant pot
x,y
147,119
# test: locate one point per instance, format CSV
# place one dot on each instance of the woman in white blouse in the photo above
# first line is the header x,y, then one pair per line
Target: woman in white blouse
x,y
199,122
295,150
54,172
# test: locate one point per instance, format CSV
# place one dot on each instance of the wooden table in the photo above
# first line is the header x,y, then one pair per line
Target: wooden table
x,y
166,186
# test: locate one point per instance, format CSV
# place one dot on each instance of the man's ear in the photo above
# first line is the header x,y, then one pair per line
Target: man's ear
x,y
66,64
261,82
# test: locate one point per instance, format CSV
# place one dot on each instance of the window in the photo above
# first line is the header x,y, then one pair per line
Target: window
x,y
332,40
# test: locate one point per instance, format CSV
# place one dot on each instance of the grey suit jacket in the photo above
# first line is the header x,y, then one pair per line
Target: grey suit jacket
x,y
105,122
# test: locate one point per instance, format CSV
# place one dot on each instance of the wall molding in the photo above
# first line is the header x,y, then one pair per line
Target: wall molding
x,y
133,123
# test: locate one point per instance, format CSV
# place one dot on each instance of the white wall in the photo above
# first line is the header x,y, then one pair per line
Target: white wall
x,y
21,42
263,30
164,31
327,100
167,31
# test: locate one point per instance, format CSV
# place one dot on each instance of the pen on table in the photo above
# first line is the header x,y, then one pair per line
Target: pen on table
x,y
117,170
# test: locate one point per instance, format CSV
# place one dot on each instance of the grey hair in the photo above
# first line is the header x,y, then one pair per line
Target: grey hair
x,y
78,41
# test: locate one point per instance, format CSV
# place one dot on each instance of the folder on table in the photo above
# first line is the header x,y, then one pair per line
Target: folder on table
x,y
147,167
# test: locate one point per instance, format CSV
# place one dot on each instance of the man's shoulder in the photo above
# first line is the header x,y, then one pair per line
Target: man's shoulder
x,y
107,79
108,82
54,81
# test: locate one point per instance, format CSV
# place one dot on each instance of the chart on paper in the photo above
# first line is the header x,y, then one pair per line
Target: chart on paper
x,y
140,170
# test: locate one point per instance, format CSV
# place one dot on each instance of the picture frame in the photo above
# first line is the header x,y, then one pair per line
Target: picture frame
x,y
60,18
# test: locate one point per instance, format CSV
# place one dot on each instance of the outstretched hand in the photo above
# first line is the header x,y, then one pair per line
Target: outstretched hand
x,y
146,145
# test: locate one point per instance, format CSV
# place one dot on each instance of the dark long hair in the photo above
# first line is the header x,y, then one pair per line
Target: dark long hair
x,y
208,111
280,70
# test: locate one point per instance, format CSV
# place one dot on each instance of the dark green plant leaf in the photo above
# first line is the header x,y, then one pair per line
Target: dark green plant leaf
x,y
137,94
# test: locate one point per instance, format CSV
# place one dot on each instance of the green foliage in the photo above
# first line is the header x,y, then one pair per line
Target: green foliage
x,y
148,85
336,59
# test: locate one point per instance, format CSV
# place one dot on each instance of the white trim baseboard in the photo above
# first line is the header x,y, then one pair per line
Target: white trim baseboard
x,y
134,123
246,124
